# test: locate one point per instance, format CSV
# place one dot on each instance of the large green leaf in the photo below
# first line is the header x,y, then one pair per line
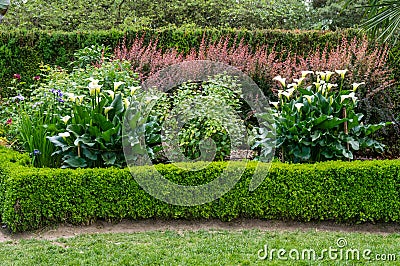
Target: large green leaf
x,y
75,162
117,104
332,122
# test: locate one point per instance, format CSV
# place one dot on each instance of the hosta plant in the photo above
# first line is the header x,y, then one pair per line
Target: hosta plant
x,y
318,122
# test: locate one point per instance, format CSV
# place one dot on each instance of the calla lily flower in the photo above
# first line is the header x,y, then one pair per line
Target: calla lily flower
x,y
71,96
342,72
117,84
293,85
356,85
328,75
80,98
66,118
321,74
126,103
298,106
107,109
64,135
94,87
309,98
276,104
299,81
330,86
281,80
317,85
349,96
111,93
133,89
305,73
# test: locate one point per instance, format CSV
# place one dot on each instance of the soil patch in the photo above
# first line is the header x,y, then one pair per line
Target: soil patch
x,y
129,226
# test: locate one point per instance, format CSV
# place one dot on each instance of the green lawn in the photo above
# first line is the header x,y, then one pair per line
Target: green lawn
x,y
199,248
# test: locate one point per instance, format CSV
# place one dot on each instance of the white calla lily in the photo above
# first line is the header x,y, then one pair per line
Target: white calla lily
x,y
66,118
349,96
111,93
305,73
356,85
309,98
117,84
276,104
107,109
342,72
64,135
299,81
281,80
298,106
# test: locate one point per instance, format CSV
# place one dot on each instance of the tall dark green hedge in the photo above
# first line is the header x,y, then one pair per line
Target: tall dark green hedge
x,y
22,51
347,192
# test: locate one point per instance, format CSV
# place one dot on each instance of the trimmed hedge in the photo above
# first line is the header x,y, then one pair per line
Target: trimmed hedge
x,y
347,192
22,51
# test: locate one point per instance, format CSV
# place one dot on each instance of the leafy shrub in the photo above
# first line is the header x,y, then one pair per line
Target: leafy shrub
x,y
348,192
319,121
91,134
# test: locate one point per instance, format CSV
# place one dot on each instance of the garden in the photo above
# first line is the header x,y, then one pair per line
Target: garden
x,y
298,109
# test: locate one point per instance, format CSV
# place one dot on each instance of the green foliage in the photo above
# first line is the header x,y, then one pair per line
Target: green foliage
x,y
23,51
383,19
333,15
106,14
338,191
209,109
91,55
90,135
319,122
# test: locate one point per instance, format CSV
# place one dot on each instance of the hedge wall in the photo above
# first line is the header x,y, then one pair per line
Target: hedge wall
x,y
22,51
338,191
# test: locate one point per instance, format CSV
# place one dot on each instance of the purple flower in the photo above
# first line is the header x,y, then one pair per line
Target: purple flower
x,y
17,76
60,100
19,97
36,152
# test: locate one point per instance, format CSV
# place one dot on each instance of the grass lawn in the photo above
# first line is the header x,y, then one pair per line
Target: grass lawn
x,y
205,248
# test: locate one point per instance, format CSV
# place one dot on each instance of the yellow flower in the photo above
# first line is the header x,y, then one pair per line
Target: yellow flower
x,y
341,72
281,80
117,84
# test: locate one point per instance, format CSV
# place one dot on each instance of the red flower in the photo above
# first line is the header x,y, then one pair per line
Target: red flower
x,y
17,76
9,121
36,77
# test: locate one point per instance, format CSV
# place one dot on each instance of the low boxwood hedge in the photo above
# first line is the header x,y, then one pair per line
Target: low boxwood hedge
x,y
347,192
